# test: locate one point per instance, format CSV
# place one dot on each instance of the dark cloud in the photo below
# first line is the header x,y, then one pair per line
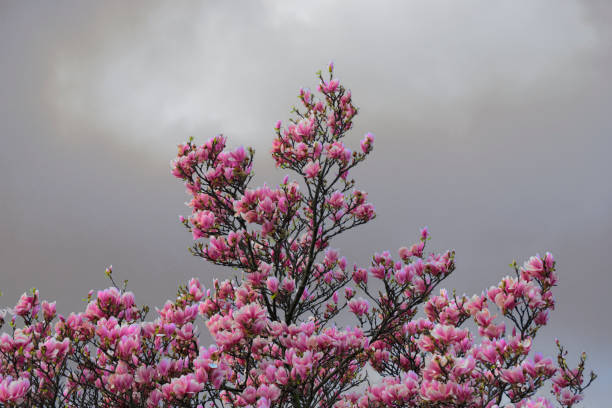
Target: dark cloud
x,y
492,125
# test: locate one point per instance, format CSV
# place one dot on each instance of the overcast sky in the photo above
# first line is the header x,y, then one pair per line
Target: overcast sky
x,y
492,120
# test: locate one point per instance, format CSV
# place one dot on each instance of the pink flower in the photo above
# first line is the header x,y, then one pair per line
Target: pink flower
x,y
121,380
311,170
349,293
492,331
513,375
424,233
437,391
403,275
336,199
331,257
249,394
179,387
270,392
404,253
541,318
266,206
25,304
504,301
305,128
109,297
534,267
288,285
267,228
127,300
195,289
203,221
49,310
127,346
13,391
567,397
144,374
252,317
378,271
330,86
367,144
272,284
238,155
448,334
464,366
55,350
282,377
360,275
359,306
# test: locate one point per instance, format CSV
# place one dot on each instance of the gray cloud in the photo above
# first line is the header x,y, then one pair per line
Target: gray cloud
x,y
492,125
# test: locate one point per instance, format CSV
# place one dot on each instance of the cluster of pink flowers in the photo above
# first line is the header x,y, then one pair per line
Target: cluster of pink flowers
x,y
299,327
108,355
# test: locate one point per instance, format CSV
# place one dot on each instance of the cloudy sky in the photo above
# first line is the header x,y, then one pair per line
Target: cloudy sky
x,y
492,124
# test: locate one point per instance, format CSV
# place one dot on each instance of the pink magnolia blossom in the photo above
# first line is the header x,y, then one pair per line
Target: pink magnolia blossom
x,y
272,284
312,169
13,391
359,306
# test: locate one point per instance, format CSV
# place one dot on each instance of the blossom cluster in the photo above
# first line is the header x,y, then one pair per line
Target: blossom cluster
x,y
108,355
299,326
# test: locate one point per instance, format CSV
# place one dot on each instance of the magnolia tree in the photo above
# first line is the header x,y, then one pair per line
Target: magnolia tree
x,y
298,327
